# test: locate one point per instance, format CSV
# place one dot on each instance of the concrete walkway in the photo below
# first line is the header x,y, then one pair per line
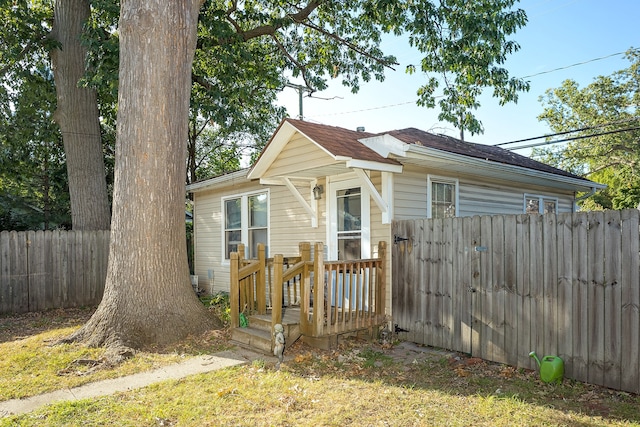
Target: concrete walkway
x,y
190,366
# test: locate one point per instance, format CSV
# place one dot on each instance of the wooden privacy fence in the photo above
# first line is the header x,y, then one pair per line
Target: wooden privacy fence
x,y
40,270
498,287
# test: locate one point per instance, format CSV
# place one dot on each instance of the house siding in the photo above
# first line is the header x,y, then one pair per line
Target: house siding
x,y
475,197
289,224
298,152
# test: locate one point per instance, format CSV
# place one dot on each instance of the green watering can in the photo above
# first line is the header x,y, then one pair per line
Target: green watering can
x,y
551,368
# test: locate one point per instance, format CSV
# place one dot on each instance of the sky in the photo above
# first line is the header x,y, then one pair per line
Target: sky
x,y
559,34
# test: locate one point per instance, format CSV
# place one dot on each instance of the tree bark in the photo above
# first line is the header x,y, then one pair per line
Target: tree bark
x,y
148,297
78,117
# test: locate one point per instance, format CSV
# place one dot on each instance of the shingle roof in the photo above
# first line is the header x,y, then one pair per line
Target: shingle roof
x,y
480,151
340,141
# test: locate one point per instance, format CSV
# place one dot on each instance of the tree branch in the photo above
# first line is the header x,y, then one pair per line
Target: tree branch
x,y
298,18
350,45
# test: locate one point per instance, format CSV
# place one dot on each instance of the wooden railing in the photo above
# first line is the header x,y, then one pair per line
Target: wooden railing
x,y
346,296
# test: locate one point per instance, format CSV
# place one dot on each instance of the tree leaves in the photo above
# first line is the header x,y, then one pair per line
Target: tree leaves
x,y
607,110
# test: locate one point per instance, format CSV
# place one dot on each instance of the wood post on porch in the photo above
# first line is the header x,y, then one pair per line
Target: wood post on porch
x,y
381,296
317,320
276,298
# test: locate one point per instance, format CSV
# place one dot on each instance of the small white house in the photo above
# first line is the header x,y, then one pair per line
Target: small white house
x,y
319,183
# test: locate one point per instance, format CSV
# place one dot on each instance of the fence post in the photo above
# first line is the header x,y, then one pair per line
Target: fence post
x,y
234,290
276,298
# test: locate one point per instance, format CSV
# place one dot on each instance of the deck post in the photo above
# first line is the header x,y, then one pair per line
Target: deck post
x,y
305,287
261,287
276,298
234,291
382,279
318,289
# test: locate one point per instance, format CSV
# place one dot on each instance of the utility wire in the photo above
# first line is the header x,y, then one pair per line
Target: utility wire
x,y
576,64
524,77
631,119
573,138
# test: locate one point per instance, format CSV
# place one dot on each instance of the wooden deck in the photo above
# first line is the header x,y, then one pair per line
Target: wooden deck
x,y
353,295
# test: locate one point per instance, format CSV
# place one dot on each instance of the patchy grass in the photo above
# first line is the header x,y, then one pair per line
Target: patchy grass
x,y
32,363
361,383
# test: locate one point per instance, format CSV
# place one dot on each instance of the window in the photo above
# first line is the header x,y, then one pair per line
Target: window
x,y
246,220
442,197
540,205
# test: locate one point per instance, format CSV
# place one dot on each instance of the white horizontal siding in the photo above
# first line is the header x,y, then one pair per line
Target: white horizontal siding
x,y
209,241
410,194
298,152
475,197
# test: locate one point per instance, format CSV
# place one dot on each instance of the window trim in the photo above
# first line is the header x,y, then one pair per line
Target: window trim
x,y
244,219
541,199
431,179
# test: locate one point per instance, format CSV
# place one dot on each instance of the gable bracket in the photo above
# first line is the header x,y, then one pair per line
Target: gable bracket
x,y
379,199
312,209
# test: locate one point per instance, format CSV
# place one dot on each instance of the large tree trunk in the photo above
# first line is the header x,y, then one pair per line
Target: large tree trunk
x,y
148,296
78,117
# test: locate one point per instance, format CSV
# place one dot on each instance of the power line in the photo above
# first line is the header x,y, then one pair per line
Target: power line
x,y
575,65
631,119
440,96
538,144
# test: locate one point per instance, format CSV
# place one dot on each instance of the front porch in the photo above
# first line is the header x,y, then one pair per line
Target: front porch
x,y
286,290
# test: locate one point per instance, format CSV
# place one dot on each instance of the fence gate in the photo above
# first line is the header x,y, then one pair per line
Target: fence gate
x,y
431,300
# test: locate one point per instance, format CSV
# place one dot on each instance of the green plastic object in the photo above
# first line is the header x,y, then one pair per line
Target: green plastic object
x,y
551,368
244,322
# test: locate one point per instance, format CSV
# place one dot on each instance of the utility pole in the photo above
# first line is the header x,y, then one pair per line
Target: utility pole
x,y
301,90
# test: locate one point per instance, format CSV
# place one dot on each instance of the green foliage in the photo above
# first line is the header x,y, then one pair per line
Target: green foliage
x,y
220,304
246,53
607,109
33,181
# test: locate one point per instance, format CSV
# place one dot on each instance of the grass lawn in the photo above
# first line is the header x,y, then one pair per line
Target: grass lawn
x,y
359,384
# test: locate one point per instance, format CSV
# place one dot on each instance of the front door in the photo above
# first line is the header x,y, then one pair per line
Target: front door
x,y
349,221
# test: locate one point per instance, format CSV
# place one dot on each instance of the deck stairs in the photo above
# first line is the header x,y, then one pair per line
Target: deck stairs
x,y
258,335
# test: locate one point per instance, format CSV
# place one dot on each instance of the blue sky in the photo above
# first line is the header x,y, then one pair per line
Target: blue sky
x,y
559,33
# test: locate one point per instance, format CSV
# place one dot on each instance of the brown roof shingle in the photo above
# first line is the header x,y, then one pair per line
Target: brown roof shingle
x,y
470,149
340,141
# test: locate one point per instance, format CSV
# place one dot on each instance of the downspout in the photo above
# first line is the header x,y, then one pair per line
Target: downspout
x,y
584,196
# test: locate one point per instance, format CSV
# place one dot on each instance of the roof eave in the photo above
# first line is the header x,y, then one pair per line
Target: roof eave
x,y
217,181
481,165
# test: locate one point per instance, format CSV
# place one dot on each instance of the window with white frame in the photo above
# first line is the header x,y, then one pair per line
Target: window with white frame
x,y
442,197
535,204
246,219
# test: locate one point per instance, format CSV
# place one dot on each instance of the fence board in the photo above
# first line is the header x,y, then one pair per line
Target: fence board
x,y
447,283
612,299
417,248
476,286
550,284
595,297
536,288
580,283
497,295
465,285
630,301
435,282
40,270
523,308
565,288
511,291
564,285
